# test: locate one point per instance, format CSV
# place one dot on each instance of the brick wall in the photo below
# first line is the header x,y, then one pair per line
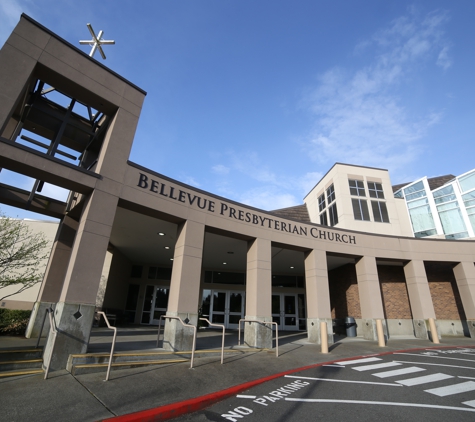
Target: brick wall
x,y
345,301
444,291
344,295
394,292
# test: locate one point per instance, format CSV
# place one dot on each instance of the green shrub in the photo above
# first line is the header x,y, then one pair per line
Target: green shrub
x,y
13,322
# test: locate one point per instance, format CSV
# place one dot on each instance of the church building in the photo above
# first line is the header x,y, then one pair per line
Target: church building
x,y
136,241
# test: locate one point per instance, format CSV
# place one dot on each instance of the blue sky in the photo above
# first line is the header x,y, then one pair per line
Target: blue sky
x,y
255,100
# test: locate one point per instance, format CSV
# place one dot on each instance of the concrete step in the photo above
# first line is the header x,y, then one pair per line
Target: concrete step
x,y
82,369
13,365
20,354
21,372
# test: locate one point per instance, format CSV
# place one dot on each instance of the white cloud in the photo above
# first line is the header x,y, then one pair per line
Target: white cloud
x,y
360,117
220,169
268,198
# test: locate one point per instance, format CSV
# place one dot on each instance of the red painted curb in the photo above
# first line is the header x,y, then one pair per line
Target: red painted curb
x,y
169,411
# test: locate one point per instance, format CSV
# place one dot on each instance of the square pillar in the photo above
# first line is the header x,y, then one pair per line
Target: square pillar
x,y
183,300
465,275
259,294
317,295
74,312
420,298
53,280
371,302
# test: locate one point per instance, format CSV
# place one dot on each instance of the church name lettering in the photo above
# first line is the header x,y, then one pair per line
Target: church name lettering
x,y
237,214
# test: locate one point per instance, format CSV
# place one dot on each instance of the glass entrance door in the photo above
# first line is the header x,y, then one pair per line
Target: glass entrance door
x,y
227,307
284,311
159,304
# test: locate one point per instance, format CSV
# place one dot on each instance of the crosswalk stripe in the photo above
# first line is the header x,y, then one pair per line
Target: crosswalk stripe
x,y
452,389
397,372
376,366
424,380
355,361
470,403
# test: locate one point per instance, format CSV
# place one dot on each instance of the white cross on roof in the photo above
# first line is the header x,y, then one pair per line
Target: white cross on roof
x,y
96,42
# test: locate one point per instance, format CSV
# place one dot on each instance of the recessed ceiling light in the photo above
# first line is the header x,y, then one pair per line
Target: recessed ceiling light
x,y
171,259
167,247
224,263
292,267
161,234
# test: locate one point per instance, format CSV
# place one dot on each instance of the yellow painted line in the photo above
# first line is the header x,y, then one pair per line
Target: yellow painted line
x,y
166,353
21,361
135,363
13,374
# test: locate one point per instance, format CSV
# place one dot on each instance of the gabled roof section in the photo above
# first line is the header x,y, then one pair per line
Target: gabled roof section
x,y
298,212
434,182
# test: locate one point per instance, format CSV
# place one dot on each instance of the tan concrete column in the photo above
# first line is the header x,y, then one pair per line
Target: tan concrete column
x,y
259,294
74,312
183,300
16,69
53,280
317,295
420,298
371,302
465,275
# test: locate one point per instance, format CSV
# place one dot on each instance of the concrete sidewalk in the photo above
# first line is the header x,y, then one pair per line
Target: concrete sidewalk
x,y
89,398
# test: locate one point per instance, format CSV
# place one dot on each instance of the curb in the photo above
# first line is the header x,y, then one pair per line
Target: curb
x,y
173,410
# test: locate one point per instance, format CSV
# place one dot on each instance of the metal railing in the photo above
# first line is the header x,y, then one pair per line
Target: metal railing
x,y
222,343
113,342
262,322
185,325
50,313
42,325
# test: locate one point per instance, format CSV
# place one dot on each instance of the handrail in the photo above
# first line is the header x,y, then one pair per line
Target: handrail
x,y
42,326
262,322
113,343
185,325
52,328
222,343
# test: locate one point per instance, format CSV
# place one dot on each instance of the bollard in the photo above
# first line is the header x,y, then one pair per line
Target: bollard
x,y
379,330
324,337
433,331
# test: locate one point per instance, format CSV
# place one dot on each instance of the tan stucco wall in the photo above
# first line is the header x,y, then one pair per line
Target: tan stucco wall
x,y
26,299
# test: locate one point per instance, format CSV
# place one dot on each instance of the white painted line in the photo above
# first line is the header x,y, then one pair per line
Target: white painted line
x,y
376,366
381,403
436,357
344,381
469,403
452,389
467,378
398,372
436,364
334,366
242,396
362,360
424,380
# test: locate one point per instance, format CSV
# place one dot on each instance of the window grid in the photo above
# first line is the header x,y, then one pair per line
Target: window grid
x,y
357,188
380,212
333,215
330,194
360,209
375,190
323,219
321,202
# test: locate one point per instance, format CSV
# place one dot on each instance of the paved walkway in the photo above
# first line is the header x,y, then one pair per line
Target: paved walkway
x,y
88,398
